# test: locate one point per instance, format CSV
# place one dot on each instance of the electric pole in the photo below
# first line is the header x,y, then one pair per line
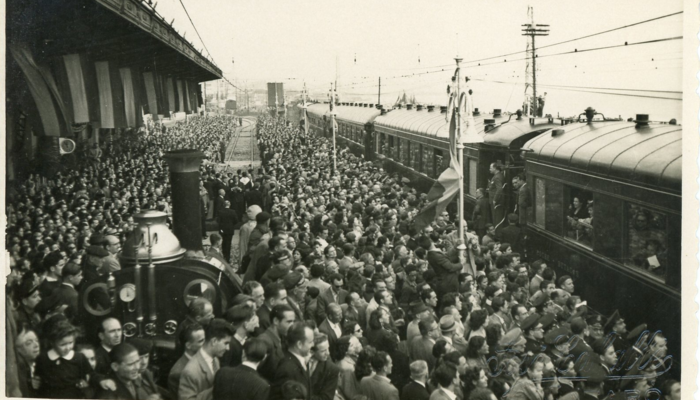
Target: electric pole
x,y
533,30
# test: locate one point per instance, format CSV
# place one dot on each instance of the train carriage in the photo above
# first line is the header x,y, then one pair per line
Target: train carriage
x,y
607,211
354,122
414,142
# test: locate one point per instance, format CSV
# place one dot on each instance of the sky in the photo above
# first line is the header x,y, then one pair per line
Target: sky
x,y
356,42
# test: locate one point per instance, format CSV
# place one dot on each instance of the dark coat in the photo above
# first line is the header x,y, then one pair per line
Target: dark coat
x,y
103,361
324,381
513,235
289,369
275,353
326,298
227,220
446,273
233,357
325,327
264,321
241,382
415,391
253,197
482,213
524,204
67,295
218,205
121,393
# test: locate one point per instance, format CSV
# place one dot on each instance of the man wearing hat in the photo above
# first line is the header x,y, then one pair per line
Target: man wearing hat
x,y
595,328
295,284
420,312
534,333
280,268
594,376
93,270
607,357
557,341
513,343
615,325
448,327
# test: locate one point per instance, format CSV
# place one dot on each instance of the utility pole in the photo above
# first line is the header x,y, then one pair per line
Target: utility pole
x,y
533,30
379,96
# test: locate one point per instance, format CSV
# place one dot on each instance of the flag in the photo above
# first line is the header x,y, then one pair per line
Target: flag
x,y
445,188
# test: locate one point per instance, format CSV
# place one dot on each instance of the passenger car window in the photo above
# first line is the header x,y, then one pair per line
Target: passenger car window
x,y
646,240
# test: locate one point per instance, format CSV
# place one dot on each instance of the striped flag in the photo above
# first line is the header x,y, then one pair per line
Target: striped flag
x,y
445,188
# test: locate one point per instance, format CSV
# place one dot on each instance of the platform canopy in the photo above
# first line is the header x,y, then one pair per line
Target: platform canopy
x,y
103,62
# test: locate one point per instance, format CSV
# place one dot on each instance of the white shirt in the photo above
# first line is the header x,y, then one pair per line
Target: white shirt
x,y
240,339
250,364
419,382
336,329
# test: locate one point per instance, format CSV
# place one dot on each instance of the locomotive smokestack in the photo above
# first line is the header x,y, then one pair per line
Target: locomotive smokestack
x,y
184,178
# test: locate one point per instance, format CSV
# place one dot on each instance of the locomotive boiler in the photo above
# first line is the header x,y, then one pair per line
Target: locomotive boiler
x,y
162,270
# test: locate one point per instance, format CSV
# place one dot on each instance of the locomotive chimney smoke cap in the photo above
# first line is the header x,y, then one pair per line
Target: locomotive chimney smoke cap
x,y
443,109
642,120
165,245
496,112
431,108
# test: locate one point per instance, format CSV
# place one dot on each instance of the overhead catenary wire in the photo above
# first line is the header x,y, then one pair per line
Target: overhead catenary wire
x,y
572,89
575,51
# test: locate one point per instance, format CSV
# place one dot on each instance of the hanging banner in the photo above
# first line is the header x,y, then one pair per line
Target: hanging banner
x,y
188,104
180,97
76,98
130,107
172,106
149,83
104,87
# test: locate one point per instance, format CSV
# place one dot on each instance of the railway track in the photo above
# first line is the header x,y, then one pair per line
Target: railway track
x,y
242,150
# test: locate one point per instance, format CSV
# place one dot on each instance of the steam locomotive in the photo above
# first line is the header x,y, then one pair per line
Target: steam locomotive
x,y
162,271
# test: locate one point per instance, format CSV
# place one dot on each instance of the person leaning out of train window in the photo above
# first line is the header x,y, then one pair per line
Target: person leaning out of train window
x,y
652,257
577,210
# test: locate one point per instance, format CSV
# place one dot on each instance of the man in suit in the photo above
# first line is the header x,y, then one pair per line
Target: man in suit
x,y
227,221
447,379
452,241
448,326
66,293
512,234
125,363
417,389
579,330
219,202
334,294
110,335
282,318
524,199
421,348
197,379
353,310
244,322
378,386
295,285
446,272
482,212
331,325
194,340
323,372
243,382
275,294
300,340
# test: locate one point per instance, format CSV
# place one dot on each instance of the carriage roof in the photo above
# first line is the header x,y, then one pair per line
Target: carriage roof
x,y
434,124
620,150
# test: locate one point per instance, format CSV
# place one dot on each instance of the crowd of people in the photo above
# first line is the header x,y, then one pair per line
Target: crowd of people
x,y
341,296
